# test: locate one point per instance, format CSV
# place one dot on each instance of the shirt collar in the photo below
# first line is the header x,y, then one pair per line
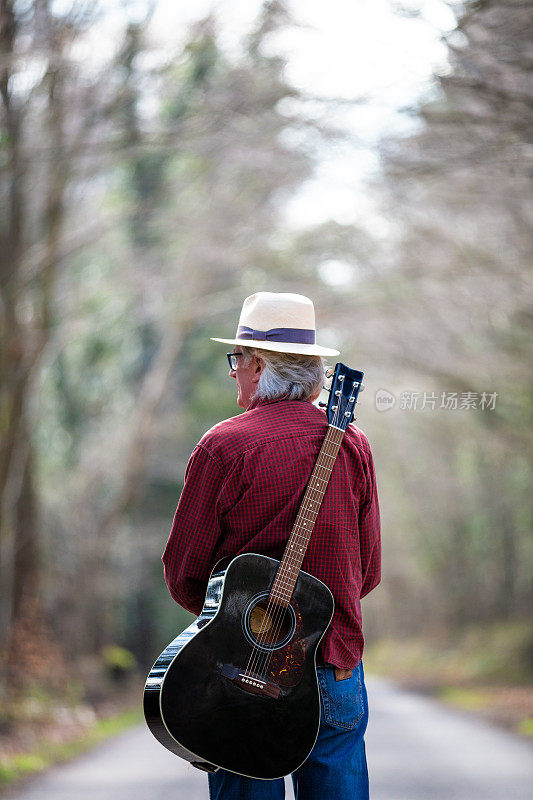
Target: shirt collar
x,y
260,401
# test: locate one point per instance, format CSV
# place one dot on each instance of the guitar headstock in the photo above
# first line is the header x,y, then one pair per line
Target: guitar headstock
x,y
345,387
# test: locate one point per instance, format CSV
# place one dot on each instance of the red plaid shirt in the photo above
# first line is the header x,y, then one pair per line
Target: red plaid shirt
x,y
243,486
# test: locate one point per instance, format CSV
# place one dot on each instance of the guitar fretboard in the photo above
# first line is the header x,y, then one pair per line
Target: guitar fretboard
x,y
291,563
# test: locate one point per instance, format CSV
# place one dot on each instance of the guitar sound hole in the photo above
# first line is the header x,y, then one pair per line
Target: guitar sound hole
x,y
267,625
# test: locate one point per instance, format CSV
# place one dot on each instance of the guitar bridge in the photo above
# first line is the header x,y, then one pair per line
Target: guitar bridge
x,y
250,683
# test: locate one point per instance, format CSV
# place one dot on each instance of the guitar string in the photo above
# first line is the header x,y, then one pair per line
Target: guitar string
x,y
281,610
335,444
286,578
275,611
256,654
336,448
270,614
262,659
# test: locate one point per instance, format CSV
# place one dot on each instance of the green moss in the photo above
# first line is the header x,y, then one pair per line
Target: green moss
x,y
23,764
468,699
119,658
526,726
45,754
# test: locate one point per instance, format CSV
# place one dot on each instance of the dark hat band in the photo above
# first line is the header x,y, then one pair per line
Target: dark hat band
x,y
287,335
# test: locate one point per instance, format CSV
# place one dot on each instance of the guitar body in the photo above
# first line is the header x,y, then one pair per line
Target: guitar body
x,y
238,689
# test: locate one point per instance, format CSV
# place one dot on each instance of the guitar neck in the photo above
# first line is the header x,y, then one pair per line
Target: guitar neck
x,y
291,563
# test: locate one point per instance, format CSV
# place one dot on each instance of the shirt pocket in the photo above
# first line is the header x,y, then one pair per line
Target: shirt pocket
x,y
342,702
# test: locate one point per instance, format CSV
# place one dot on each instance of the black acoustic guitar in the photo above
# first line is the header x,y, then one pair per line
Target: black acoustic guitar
x,y
238,689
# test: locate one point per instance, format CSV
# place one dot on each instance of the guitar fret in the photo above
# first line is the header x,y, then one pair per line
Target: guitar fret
x,y
287,570
282,583
281,589
288,588
288,573
284,577
288,584
288,592
291,559
306,520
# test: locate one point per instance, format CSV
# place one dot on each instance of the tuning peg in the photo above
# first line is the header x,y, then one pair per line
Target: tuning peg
x,y
322,405
329,372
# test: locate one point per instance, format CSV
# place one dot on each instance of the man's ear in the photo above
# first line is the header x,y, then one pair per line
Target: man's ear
x,y
259,366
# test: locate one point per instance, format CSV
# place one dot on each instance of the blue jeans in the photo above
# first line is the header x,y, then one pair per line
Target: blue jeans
x,y
336,768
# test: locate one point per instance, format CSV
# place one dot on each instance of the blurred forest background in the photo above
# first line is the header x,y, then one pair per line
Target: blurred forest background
x,y
141,199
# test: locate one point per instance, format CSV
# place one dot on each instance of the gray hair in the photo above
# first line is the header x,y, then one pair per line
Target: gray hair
x,y
293,376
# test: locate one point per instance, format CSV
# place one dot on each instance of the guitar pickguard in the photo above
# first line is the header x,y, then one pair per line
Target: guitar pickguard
x,y
287,664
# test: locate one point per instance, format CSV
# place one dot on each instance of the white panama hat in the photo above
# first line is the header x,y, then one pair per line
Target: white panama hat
x,y
280,321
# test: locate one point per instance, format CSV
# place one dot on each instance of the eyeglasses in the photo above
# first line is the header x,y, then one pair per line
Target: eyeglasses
x,y
232,360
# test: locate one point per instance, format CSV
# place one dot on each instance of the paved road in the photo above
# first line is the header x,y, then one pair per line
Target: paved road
x,y
417,750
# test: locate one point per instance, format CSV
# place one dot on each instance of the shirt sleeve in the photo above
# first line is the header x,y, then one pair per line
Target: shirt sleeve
x,y
190,552
370,532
